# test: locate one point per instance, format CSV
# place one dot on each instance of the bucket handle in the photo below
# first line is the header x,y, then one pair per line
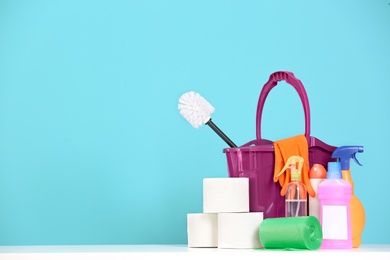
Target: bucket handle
x,y
272,82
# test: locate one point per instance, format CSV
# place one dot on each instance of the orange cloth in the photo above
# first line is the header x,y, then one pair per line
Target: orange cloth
x,y
285,148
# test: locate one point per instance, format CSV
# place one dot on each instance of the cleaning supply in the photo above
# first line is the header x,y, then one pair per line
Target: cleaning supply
x,y
197,110
202,229
225,195
358,217
296,194
335,194
317,174
283,149
239,230
291,233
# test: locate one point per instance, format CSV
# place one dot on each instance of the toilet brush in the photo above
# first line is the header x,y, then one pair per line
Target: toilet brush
x,y
197,111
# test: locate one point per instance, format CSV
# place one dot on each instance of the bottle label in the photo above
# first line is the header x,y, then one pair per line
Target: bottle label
x,y
334,222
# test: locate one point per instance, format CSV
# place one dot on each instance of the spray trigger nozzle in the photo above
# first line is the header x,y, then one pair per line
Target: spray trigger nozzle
x,y
345,153
291,163
356,160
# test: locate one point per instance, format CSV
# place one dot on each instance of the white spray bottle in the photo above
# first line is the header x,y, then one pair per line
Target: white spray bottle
x,y
317,174
296,194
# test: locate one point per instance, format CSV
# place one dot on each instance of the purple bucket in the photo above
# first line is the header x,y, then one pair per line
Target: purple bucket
x,y
256,159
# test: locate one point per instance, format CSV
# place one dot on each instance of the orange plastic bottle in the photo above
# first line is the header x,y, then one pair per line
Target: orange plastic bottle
x,y
358,216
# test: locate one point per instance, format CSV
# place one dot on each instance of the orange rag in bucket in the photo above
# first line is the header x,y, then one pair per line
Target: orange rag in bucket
x,y
285,148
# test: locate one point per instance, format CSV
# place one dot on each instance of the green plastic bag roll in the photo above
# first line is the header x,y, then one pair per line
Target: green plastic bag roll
x,y
291,233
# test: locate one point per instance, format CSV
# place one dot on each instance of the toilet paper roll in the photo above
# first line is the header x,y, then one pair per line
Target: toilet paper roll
x,y
239,230
225,195
291,233
202,229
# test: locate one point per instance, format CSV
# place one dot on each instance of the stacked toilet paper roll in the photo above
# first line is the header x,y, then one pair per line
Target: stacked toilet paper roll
x,y
226,221
202,230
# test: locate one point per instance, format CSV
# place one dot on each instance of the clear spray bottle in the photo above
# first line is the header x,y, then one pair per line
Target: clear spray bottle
x,y
296,194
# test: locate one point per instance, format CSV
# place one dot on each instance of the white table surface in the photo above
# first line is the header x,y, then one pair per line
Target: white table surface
x,y
113,252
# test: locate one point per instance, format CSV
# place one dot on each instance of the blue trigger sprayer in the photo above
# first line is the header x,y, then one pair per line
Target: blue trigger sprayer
x,y
344,154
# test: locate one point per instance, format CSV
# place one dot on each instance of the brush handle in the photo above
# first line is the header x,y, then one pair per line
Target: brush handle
x,y
220,133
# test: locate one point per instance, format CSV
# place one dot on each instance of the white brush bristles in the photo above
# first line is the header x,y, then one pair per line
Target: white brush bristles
x,y
195,109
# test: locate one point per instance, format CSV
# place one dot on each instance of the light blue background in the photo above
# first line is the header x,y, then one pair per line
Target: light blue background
x,y
93,149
